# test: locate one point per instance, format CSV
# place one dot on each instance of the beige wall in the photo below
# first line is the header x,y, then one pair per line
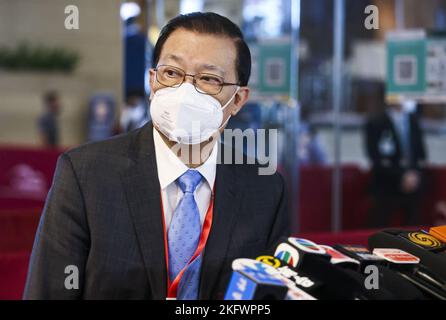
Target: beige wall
x,y
99,43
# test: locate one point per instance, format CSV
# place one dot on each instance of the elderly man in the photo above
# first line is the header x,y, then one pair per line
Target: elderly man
x,y
133,216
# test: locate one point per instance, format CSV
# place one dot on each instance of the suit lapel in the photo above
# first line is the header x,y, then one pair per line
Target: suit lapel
x,y
227,201
142,190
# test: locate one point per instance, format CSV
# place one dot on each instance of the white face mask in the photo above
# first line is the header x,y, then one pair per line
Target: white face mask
x,y
186,116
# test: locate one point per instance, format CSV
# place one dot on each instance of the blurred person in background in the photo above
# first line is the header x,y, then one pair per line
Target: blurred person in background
x,y
48,121
134,114
310,150
396,150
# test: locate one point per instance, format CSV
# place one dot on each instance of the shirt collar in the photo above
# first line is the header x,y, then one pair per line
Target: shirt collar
x,y
170,167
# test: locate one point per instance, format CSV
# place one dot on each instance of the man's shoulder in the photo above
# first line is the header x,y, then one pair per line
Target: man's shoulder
x,y
115,148
114,145
251,170
258,174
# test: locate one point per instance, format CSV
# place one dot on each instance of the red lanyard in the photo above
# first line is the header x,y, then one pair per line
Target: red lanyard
x,y
172,286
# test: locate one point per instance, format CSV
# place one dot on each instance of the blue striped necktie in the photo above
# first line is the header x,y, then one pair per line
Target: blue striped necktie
x,y
183,237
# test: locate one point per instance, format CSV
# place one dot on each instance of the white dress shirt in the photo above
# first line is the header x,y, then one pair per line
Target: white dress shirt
x,y
170,168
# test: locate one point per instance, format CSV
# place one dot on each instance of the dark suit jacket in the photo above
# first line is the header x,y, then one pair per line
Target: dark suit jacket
x,y
103,215
388,169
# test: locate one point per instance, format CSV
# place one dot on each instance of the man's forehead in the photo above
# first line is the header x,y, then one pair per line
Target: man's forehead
x,y
205,51
201,65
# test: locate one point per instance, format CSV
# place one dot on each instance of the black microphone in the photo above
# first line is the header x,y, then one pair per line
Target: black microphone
x,y
388,279
409,267
337,283
254,280
430,250
295,258
289,259
360,254
341,259
299,284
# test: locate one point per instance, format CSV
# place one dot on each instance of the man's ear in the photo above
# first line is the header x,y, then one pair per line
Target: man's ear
x,y
240,99
151,82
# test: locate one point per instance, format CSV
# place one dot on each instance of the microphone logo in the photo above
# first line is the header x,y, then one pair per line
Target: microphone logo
x,y
269,260
424,240
306,245
287,253
396,256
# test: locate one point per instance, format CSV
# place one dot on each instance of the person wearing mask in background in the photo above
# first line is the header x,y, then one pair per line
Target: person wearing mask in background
x,y
138,219
396,150
134,114
48,122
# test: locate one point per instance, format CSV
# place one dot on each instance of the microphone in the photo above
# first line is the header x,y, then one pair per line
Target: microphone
x,y
430,250
409,267
298,284
360,254
336,283
341,259
254,280
388,279
304,252
289,259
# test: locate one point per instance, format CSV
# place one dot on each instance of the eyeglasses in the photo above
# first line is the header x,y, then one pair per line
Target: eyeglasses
x,y
206,83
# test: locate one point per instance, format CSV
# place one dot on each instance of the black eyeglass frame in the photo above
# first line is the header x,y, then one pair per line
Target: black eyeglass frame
x,y
223,84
